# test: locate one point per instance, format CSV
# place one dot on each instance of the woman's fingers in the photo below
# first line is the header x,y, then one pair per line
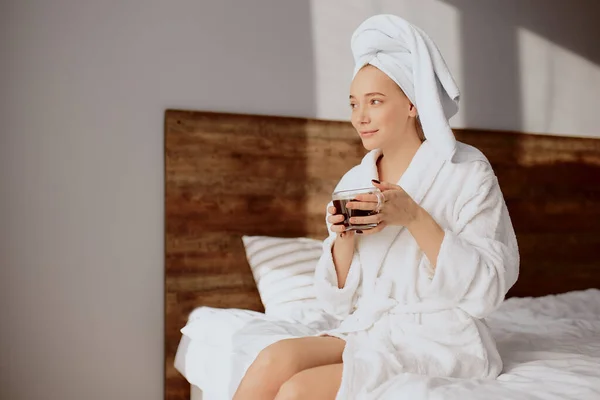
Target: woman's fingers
x,y
368,198
337,228
371,219
362,205
371,231
335,219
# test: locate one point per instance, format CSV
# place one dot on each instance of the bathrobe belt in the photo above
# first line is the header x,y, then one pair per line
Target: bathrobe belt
x,y
372,310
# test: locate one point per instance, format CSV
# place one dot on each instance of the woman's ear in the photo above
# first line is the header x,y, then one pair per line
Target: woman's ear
x,y
412,111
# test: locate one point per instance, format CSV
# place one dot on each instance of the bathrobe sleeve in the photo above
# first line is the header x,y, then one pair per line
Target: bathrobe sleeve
x,y
336,301
479,259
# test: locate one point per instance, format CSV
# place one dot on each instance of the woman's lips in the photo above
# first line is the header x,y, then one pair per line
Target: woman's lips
x,y
366,134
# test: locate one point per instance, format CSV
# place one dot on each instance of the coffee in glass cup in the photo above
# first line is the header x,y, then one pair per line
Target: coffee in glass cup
x,y
342,197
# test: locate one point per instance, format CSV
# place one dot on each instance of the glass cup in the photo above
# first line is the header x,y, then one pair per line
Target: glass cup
x,y
342,197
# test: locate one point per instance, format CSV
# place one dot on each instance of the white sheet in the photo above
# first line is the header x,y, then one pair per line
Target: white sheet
x,y
550,347
196,393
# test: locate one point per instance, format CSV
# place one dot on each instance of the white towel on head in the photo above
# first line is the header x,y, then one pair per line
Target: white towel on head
x,y
410,58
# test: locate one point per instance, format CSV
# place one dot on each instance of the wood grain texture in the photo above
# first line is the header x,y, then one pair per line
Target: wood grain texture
x,y
228,175
551,186
232,175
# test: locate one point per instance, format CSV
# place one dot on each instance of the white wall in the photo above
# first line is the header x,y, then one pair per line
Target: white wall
x,y
84,88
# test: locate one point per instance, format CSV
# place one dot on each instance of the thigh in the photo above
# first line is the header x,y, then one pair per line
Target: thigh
x,y
321,382
282,360
306,352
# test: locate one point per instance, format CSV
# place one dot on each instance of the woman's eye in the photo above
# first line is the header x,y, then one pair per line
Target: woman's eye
x,y
375,100
352,105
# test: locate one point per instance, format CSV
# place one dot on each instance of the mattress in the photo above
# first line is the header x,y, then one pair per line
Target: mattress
x,y
550,347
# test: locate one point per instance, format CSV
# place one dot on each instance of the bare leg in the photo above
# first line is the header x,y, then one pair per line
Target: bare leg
x,y
320,383
282,360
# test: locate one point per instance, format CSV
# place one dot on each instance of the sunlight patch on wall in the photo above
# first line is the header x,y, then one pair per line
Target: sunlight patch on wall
x,y
558,88
333,23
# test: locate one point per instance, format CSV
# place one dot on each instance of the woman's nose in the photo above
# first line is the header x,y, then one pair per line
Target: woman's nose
x,y
363,115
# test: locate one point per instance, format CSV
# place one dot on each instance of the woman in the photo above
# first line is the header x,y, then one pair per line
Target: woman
x,y
410,294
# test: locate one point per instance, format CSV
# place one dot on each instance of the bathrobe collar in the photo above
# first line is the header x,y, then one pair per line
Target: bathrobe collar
x,y
416,181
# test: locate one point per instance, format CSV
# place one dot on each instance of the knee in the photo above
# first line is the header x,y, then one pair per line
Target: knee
x,y
275,363
292,389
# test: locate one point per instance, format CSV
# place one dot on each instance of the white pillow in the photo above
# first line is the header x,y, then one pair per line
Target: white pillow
x,y
283,270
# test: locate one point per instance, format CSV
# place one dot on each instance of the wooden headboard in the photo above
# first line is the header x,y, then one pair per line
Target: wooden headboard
x,y
228,175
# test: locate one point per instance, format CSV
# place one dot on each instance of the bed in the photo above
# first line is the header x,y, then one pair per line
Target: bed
x,y
547,331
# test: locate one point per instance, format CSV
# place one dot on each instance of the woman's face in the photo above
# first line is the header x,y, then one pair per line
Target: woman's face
x,y
381,112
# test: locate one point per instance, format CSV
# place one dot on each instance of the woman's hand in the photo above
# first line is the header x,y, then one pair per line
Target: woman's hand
x,y
338,226
398,208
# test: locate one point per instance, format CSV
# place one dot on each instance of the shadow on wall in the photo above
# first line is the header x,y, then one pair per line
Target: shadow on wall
x,y
489,32
264,51
550,184
269,69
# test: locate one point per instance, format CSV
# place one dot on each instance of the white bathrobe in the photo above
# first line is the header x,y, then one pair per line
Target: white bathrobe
x,y
398,316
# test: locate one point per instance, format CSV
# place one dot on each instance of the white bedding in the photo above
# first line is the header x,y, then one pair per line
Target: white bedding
x,y
550,347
